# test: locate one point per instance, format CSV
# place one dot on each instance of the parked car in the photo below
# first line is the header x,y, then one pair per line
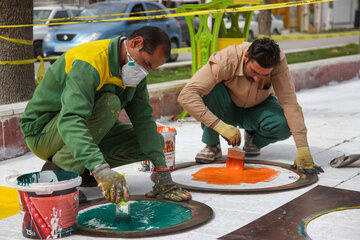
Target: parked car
x,y
51,13
62,38
277,25
185,29
183,24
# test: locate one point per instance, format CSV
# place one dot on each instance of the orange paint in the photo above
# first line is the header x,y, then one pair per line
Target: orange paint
x,y
226,176
235,159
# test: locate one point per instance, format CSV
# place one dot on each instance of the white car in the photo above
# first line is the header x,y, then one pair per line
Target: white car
x,y
51,13
277,25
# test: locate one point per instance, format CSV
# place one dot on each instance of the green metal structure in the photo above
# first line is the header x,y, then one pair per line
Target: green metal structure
x,y
205,40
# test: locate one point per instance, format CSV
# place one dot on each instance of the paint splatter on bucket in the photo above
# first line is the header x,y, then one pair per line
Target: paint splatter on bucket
x,y
169,134
49,202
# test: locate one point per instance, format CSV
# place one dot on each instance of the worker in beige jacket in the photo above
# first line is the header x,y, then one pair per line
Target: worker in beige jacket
x,y
247,86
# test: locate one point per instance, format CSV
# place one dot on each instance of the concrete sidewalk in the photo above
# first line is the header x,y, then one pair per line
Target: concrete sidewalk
x,y
332,116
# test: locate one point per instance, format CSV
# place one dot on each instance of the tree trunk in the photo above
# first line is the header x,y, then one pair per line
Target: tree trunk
x,y
329,16
305,18
17,81
264,20
94,1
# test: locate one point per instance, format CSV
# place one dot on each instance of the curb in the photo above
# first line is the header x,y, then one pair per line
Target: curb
x,y
163,97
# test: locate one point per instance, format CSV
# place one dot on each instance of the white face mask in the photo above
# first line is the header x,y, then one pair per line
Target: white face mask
x,y
132,73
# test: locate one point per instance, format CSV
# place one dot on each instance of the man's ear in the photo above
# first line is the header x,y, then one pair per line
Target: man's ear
x,y
246,56
137,42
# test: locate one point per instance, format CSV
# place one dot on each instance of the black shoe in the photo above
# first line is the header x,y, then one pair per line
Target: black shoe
x,y
87,179
82,197
50,166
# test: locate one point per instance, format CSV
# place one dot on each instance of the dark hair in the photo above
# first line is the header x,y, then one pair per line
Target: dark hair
x,y
265,52
153,37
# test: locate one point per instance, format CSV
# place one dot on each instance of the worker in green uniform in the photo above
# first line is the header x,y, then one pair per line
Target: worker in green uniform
x,y
72,120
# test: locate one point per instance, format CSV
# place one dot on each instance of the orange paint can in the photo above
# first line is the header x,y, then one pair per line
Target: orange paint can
x,y
169,134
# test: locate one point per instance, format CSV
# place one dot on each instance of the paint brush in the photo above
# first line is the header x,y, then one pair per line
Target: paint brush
x,y
122,209
235,159
122,212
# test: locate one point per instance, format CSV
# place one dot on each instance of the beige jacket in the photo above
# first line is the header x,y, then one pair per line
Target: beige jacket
x,y
227,66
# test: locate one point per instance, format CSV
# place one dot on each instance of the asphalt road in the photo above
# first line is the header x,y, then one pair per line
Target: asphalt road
x,y
287,46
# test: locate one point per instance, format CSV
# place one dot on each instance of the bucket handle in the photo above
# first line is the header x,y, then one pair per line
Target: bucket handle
x,y
41,189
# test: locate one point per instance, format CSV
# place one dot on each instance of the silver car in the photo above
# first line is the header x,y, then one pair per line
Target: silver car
x,y
277,25
49,13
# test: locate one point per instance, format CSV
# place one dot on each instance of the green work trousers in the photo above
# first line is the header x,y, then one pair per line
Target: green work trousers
x,y
266,121
117,140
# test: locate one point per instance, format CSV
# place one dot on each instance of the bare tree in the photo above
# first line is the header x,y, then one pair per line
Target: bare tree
x,y
16,81
264,20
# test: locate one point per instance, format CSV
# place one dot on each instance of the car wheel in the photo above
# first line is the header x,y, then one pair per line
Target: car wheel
x,y
38,49
251,36
174,44
275,32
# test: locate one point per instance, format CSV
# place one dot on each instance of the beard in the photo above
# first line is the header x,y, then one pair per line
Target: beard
x,y
245,74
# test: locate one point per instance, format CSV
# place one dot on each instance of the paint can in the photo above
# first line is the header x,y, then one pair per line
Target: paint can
x,y
169,134
49,203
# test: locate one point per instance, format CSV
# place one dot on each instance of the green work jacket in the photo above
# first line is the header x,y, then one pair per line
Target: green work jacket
x,y
70,88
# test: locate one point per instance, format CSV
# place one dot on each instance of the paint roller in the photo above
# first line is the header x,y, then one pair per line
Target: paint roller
x,y
235,159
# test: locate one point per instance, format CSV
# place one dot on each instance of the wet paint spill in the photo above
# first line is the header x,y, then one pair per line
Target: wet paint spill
x,y
145,215
226,176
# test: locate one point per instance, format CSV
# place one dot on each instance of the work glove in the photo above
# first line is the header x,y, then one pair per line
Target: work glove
x,y
165,188
230,133
304,162
113,185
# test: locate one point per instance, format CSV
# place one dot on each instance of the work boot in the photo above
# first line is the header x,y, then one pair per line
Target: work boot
x,y
209,154
249,147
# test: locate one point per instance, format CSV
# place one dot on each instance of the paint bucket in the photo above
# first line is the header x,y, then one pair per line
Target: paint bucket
x,y
169,134
49,203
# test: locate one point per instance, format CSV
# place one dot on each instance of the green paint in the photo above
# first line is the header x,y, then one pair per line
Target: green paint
x,y
145,215
45,177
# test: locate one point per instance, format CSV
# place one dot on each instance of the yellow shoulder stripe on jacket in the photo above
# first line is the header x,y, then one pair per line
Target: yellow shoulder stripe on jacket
x,y
97,55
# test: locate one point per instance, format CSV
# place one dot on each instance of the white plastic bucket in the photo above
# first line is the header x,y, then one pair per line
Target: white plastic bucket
x,y
169,134
49,202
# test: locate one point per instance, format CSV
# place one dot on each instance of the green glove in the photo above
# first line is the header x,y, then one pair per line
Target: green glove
x,y
230,133
165,188
113,184
304,162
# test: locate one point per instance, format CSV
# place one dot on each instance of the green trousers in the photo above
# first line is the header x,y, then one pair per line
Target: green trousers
x,y
117,140
266,121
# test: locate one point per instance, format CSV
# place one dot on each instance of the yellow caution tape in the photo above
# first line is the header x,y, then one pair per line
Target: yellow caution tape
x,y
311,36
180,50
41,70
214,11
21,41
105,15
